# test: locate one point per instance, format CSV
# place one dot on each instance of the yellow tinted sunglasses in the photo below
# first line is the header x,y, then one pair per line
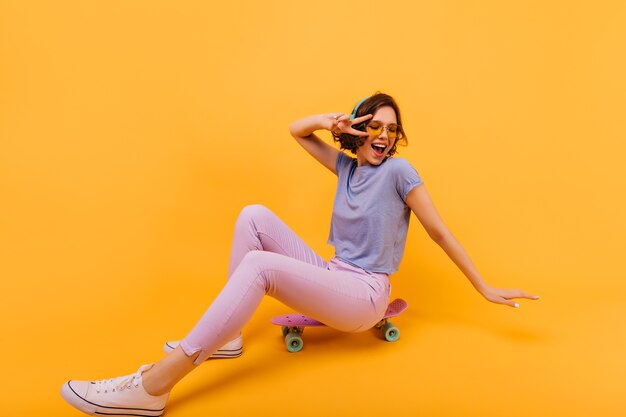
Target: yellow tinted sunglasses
x,y
376,129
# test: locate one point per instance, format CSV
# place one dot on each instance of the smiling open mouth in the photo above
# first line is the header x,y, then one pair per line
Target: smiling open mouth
x,y
379,150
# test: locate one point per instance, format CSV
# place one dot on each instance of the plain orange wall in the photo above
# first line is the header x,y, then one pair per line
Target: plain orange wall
x,y
132,133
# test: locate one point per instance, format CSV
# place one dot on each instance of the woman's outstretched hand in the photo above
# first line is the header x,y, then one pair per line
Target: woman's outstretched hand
x,y
341,123
504,296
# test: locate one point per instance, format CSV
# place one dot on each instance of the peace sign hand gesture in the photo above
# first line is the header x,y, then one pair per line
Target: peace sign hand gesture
x,y
341,123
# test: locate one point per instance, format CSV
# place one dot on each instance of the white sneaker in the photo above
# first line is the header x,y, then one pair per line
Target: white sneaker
x,y
122,396
232,349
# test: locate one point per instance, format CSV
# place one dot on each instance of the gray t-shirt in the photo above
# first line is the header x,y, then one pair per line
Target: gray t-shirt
x,y
370,216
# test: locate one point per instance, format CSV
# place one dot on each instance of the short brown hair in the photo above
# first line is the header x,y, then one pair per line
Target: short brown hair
x,y
369,106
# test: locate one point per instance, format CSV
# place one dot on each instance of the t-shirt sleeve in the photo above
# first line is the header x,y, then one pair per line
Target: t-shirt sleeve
x,y
343,163
407,178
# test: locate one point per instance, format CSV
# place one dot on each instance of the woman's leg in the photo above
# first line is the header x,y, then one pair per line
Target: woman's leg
x,y
258,229
348,301
268,259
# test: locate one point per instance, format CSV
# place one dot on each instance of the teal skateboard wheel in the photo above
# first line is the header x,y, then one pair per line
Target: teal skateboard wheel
x,y
390,332
285,331
294,342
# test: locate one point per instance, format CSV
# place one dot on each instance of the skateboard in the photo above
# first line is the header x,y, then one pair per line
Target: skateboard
x,y
293,325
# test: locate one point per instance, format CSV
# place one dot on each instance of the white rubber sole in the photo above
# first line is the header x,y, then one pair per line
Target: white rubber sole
x,y
230,350
80,403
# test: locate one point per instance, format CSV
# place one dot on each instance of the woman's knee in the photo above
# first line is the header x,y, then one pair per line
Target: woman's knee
x,y
254,212
260,260
254,267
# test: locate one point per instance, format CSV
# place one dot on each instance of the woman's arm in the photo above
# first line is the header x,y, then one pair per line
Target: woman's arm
x,y
421,204
302,130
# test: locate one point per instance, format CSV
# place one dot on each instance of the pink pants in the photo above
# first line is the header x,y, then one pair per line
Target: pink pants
x,y
268,258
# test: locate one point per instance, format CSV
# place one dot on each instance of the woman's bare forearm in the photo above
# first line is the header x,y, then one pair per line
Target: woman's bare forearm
x,y
304,127
461,259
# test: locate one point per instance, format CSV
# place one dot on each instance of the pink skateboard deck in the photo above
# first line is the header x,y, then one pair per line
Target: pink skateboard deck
x,y
293,325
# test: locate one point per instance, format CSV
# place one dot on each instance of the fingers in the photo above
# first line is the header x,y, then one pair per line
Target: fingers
x,y
362,119
509,303
501,299
520,294
505,301
334,120
344,124
530,296
340,117
508,300
506,296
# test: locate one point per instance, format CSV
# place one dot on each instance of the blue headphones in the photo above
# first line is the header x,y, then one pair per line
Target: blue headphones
x,y
356,108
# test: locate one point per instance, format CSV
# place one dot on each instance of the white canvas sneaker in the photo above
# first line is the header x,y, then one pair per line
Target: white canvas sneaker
x,y
121,396
232,349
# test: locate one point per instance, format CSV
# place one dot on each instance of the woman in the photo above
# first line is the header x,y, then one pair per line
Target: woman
x,y
375,196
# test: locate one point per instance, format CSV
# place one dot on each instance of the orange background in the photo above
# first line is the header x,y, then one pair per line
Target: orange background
x,y
133,132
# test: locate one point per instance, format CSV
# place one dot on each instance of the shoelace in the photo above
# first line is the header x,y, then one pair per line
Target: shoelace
x,y
117,384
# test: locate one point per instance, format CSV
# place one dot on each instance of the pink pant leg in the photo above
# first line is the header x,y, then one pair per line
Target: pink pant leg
x,y
257,228
340,295
343,299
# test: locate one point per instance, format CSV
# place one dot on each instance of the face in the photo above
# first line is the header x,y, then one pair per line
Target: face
x,y
375,148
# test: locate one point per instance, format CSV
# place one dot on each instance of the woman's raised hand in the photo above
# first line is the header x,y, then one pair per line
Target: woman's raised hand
x,y
341,123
